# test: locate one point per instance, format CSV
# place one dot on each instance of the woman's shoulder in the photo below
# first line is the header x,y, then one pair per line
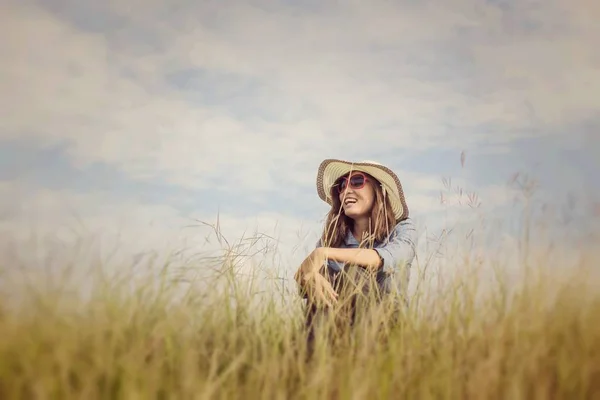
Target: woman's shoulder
x,y
405,223
404,227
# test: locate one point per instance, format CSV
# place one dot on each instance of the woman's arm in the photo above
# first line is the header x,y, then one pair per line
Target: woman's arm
x,y
366,258
399,250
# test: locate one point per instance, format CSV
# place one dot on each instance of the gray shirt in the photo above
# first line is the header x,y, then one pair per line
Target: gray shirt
x,y
397,251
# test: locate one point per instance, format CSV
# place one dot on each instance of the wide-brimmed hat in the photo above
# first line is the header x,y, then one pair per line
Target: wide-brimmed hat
x,y
331,170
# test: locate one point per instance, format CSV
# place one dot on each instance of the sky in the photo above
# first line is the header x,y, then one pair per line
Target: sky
x,y
134,120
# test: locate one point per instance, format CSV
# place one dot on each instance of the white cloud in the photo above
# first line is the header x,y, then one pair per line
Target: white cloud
x,y
352,67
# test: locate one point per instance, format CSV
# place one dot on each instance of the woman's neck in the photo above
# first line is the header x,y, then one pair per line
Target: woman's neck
x,y
360,228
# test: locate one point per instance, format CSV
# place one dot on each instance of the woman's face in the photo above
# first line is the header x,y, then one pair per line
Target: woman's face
x,y
357,195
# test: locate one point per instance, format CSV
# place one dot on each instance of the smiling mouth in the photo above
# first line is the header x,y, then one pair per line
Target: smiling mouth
x,y
349,202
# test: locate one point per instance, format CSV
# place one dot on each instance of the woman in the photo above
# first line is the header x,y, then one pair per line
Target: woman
x,y
368,243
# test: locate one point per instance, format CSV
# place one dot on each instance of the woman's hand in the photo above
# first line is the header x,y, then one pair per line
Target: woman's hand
x,y
308,276
319,290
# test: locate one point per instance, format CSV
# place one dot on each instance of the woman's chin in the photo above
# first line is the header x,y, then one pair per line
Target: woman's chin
x,y
354,214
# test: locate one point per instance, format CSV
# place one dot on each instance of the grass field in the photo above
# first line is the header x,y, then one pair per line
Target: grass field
x,y
538,338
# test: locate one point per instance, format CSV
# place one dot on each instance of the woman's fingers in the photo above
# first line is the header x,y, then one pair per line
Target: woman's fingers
x,y
327,289
321,295
321,288
332,293
318,290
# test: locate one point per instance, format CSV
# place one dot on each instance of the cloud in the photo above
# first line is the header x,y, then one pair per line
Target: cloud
x,y
250,95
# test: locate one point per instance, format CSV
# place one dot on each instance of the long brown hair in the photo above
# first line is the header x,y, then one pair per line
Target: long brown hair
x,y
381,221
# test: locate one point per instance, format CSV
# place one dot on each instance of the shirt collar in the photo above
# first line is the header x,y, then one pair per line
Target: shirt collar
x,y
350,239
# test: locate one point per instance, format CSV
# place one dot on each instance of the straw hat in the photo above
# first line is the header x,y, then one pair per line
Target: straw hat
x,y
331,170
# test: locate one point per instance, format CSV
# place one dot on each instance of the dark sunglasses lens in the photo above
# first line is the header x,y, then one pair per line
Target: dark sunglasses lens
x,y
357,181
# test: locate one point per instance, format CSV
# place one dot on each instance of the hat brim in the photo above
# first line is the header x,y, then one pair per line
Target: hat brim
x,y
331,170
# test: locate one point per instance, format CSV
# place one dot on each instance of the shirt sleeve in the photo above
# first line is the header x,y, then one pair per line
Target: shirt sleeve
x,y
400,249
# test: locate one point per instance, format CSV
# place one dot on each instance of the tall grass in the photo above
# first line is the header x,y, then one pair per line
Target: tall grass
x,y
480,334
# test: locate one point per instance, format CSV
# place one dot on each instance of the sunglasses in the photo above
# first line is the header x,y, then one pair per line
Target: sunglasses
x,y
356,181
